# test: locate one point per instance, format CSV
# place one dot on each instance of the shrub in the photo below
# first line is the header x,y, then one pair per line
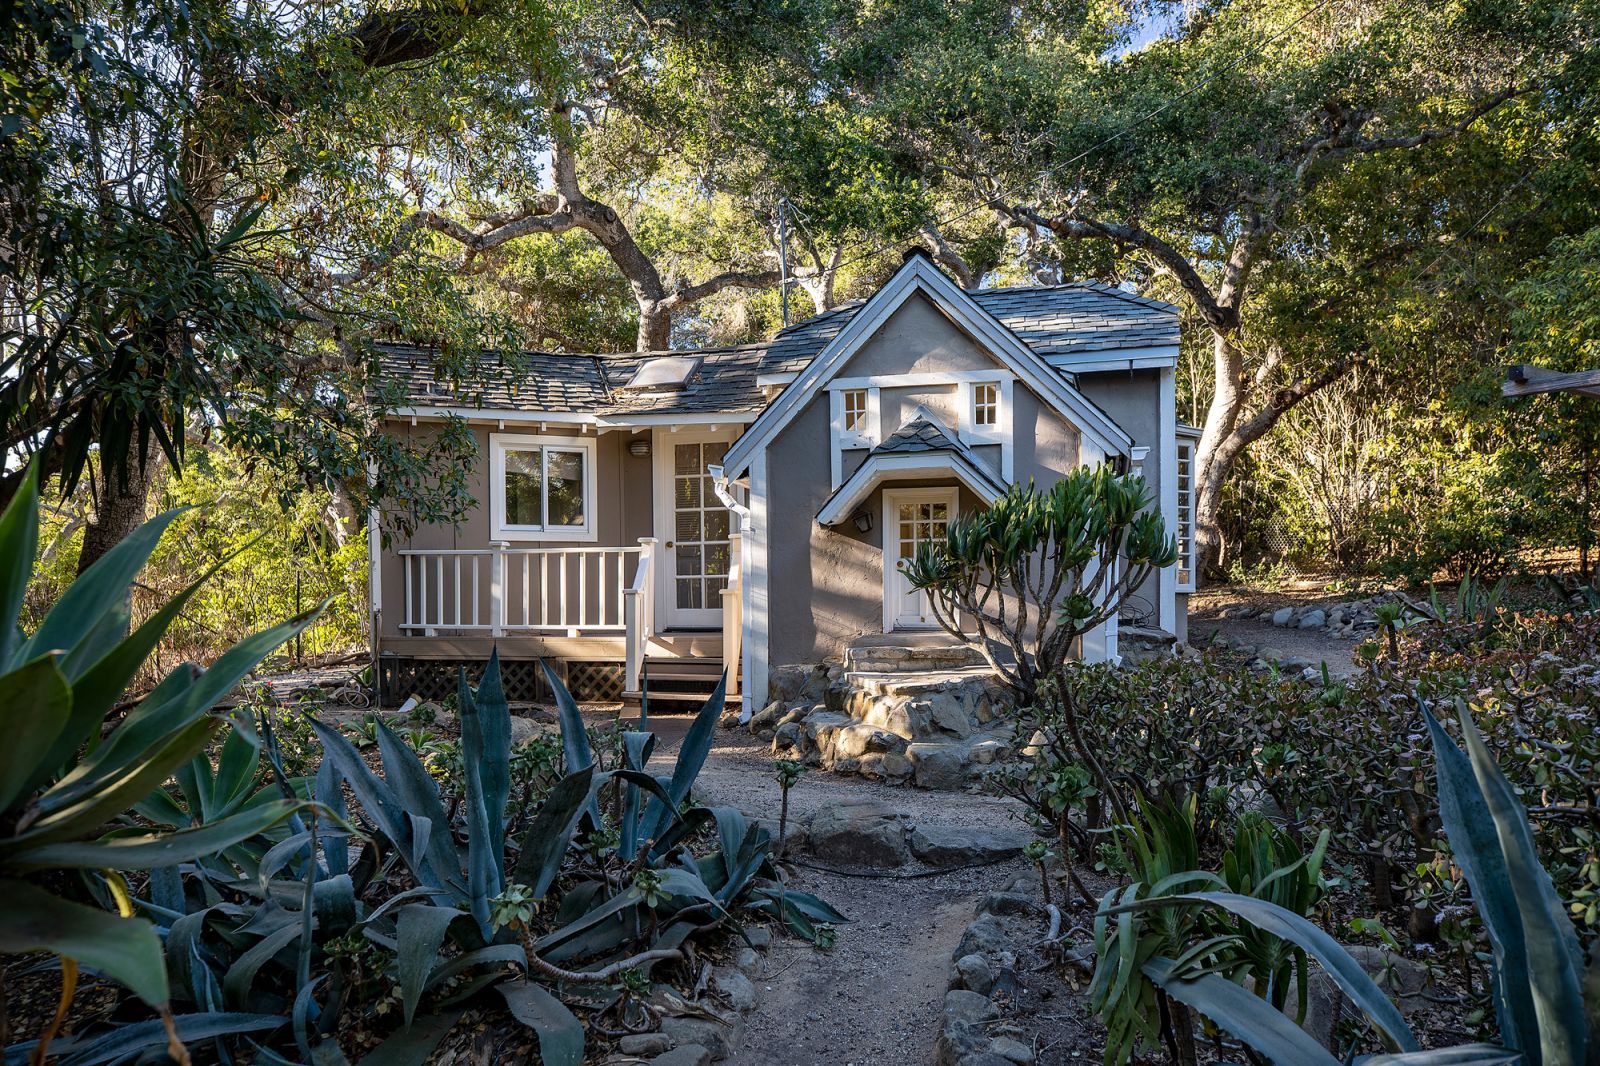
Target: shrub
x,y
1354,756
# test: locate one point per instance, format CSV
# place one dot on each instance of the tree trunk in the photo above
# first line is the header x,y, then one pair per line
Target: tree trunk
x,y
119,510
1213,457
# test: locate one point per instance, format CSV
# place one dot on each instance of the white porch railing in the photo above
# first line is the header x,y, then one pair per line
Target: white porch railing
x,y
504,589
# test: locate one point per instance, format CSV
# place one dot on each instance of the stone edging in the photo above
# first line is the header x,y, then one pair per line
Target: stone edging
x,y
973,1029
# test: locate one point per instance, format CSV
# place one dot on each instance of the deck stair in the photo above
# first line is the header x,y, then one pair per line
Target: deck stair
x,y
680,686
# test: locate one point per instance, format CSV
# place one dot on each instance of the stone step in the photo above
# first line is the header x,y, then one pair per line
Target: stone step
x,y
887,658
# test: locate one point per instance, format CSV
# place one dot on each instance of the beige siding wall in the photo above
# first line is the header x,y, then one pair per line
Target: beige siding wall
x,y
622,508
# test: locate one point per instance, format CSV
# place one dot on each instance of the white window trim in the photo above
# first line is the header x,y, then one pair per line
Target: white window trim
x,y
1003,432
1000,431
1184,444
841,439
499,529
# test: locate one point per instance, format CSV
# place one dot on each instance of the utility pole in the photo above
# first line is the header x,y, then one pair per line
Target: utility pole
x,y
783,257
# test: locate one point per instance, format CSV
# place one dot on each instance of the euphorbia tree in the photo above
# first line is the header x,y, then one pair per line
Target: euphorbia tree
x,y
1024,579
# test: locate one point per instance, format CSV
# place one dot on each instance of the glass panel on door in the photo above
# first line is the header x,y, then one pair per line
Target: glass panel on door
x,y
702,548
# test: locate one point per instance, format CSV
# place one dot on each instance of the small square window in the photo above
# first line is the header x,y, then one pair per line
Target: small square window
x,y
986,404
855,410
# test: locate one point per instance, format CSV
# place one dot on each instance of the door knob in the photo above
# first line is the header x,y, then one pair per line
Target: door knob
x,y
669,544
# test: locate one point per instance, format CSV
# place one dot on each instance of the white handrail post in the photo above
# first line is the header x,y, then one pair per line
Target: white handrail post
x,y
636,618
497,587
647,555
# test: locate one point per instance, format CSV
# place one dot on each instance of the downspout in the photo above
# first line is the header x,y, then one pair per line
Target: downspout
x,y
719,485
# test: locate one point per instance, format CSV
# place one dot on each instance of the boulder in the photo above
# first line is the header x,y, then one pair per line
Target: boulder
x,y
946,712
938,766
962,1006
1314,619
854,741
960,1044
1283,616
958,845
1011,1049
734,987
858,833
1010,903
766,717
986,936
720,1039
644,1044
973,974
987,750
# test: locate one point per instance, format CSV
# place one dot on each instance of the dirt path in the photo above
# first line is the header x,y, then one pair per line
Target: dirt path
x,y
876,997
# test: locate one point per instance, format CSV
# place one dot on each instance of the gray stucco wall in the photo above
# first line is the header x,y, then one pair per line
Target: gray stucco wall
x,y
827,585
1132,398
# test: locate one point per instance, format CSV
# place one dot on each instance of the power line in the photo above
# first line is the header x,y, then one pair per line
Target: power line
x,y
1005,193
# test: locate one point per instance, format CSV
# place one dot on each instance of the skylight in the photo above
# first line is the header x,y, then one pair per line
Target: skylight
x,y
665,373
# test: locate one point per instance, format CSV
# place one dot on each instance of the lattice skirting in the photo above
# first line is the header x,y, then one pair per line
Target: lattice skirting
x,y
434,679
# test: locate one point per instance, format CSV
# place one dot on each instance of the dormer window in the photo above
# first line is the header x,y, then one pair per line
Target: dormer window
x,y
986,404
854,404
854,417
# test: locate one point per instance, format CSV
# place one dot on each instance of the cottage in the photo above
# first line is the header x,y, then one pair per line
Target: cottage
x,y
650,519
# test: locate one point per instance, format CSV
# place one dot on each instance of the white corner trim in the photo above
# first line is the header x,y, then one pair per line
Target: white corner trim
x,y
499,443
919,275
880,468
758,605
1167,464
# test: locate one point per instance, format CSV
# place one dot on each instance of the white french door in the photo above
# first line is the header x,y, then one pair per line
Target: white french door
x,y
692,530
911,517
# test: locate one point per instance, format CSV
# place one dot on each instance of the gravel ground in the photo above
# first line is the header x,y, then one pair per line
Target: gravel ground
x,y
1314,644
876,997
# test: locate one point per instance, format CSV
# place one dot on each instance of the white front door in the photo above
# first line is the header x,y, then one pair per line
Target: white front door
x,y
692,528
910,517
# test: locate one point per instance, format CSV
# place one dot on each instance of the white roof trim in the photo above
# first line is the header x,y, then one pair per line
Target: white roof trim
x,y
876,469
1116,359
919,274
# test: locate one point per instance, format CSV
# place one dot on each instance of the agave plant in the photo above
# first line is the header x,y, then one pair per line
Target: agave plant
x,y
437,903
1540,977
68,784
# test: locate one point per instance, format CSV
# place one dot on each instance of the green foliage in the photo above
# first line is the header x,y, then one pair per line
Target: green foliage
x,y
1352,757
1539,990
1042,548
69,787
267,542
495,867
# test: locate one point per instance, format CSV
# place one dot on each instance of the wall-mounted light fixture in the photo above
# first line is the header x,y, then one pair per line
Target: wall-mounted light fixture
x,y
863,520
639,447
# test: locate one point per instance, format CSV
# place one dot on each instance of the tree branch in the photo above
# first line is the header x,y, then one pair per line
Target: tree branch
x,y
1163,256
